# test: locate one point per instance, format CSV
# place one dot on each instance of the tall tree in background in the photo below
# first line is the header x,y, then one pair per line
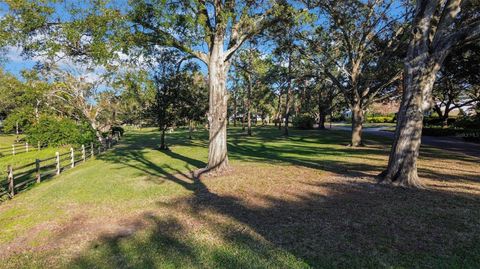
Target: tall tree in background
x,y
438,26
458,83
252,70
361,39
176,93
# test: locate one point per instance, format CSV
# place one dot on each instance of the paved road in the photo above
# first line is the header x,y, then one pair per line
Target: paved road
x,y
455,144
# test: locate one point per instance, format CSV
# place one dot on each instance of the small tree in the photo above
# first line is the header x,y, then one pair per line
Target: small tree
x,y
458,81
179,94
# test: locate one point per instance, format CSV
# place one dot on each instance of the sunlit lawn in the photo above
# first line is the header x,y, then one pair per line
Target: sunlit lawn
x,y
297,202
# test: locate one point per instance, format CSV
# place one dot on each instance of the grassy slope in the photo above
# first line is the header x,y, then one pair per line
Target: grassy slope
x,y
303,201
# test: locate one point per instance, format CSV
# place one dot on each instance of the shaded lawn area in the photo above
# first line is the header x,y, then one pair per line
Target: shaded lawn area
x,y
298,202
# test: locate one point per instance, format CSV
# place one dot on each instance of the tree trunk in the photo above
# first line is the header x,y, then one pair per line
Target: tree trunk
x,y
402,163
190,129
234,111
217,114
249,112
97,132
279,110
287,110
321,119
287,96
445,118
357,125
163,146
243,122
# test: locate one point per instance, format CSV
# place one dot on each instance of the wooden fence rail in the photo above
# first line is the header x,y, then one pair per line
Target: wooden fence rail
x,y
36,171
18,148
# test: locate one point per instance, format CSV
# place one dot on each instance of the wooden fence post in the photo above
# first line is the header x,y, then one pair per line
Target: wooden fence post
x,y
13,149
37,167
38,145
26,146
92,150
109,143
72,157
99,149
11,186
58,162
83,153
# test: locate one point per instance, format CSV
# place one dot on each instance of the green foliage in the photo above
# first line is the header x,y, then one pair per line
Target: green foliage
x,y
117,129
467,122
429,131
23,116
59,131
304,122
437,121
380,119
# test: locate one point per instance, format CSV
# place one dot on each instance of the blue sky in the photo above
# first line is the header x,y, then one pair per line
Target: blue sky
x,y
15,62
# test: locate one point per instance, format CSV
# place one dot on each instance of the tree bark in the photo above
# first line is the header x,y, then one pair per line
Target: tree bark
x,y
163,146
248,104
217,115
190,129
287,110
234,111
321,120
287,96
418,83
357,125
243,122
279,110
445,118
97,132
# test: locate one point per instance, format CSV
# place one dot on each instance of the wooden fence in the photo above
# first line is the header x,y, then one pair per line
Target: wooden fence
x,y
19,178
19,148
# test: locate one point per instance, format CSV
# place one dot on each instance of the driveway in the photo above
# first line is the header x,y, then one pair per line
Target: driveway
x,y
456,144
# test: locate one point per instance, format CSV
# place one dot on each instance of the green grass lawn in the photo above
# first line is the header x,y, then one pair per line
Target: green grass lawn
x,y
23,158
298,202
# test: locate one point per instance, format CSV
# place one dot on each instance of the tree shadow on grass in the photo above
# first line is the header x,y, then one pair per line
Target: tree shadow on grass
x,y
334,223
328,223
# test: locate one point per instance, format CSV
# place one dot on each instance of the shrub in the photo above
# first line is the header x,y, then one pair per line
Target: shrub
x,y
24,117
466,122
440,131
380,119
116,129
303,121
59,131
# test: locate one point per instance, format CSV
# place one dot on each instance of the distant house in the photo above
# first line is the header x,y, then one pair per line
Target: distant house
x,y
386,108
378,108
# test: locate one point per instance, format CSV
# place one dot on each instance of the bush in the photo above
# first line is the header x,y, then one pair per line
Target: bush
x,y
380,119
468,122
117,129
59,131
440,131
24,117
436,121
304,122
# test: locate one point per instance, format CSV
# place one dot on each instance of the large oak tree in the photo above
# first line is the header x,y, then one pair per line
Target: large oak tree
x,y
438,26
211,31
